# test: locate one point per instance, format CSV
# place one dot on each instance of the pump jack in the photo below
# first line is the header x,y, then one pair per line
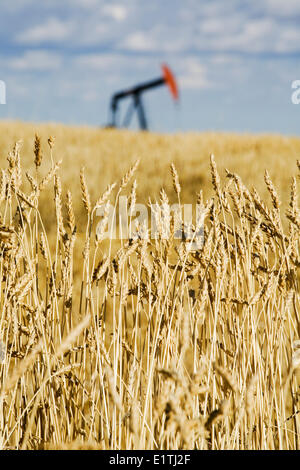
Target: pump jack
x,y
136,104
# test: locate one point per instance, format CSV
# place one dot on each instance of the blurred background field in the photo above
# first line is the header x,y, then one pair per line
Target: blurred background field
x,y
107,154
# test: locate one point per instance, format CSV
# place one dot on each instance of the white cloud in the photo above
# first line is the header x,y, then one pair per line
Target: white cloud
x,y
224,59
17,5
252,36
283,8
159,39
153,27
255,35
104,62
52,30
91,96
117,12
218,25
139,41
111,66
36,60
87,3
193,75
288,41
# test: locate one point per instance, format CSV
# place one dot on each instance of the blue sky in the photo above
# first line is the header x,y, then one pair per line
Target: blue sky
x,y
235,61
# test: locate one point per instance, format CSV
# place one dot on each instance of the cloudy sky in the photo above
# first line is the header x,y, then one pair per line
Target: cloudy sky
x,y
235,61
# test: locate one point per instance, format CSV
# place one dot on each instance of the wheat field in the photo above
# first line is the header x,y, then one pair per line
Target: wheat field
x,y
142,343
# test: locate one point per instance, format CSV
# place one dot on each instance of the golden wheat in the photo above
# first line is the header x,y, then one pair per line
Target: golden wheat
x,y
144,343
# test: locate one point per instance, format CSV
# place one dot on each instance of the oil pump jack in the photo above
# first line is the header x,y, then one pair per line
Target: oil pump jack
x,y
136,104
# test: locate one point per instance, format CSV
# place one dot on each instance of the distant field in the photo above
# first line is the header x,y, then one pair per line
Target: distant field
x,y
148,343
107,154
